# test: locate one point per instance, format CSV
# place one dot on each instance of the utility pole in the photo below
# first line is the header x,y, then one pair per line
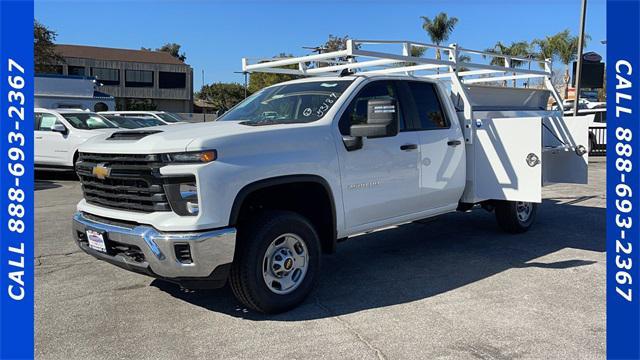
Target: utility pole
x,y
246,85
583,15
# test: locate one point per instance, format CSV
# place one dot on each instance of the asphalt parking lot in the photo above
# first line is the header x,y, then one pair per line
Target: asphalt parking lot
x,y
449,288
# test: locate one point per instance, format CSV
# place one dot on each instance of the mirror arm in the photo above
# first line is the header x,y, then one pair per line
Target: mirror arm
x,y
352,143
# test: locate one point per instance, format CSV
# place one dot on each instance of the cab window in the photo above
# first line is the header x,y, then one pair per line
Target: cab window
x,y
356,112
429,112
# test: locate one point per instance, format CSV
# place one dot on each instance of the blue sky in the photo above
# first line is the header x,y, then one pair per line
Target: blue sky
x,y
216,34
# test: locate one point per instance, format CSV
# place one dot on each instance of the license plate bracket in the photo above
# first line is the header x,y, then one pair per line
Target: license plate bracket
x,y
97,240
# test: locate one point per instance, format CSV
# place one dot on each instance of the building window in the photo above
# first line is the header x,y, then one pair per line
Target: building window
x,y
76,70
49,69
106,76
138,78
172,80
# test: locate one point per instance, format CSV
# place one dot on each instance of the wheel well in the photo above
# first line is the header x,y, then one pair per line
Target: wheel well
x,y
309,196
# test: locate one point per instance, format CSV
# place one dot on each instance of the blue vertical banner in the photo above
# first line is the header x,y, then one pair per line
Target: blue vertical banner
x,y
16,179
623,181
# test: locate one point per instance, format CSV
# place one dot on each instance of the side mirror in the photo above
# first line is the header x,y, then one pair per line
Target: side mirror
x,y
382,120
57,127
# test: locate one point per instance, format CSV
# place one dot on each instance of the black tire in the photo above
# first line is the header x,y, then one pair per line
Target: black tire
x,y
509,219
255,237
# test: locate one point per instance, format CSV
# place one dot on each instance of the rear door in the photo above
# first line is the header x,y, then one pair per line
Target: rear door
x,y
441,144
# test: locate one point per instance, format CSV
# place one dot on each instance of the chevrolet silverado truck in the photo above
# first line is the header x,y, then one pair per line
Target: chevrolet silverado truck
x,y
361,141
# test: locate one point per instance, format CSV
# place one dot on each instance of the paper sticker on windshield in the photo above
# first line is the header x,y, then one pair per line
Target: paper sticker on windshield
x,y
329,85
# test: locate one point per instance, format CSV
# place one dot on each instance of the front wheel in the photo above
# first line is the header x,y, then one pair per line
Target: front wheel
x,y
276,263
515,216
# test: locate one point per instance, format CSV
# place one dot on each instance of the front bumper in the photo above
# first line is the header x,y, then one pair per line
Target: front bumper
x,y
143,249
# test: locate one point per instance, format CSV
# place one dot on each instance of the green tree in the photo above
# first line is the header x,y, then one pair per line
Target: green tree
x,y
439,29
174,50
223,96
544,48
565,47
335,43
520,49
259,80
45,56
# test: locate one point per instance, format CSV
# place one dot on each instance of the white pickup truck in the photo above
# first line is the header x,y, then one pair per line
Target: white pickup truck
x,y
257,196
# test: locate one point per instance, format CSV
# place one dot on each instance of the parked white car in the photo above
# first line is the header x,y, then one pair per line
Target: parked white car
x,y
59,133
166,117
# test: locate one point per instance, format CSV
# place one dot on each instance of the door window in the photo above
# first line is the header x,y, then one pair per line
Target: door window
x,y
429,111
356,112
44,122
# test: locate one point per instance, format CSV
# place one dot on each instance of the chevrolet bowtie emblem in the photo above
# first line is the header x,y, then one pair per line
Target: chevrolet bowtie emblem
x,y
101,171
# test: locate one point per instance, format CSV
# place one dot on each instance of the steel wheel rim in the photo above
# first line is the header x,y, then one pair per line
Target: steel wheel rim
x,y
285,263
523,210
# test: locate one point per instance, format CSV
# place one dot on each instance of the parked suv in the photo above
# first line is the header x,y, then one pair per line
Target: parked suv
x,y
58,134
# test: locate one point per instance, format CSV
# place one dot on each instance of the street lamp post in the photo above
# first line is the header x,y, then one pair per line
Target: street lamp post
x,y
583,15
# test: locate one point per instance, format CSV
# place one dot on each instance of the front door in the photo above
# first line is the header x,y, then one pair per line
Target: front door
x,y
50,146
380,180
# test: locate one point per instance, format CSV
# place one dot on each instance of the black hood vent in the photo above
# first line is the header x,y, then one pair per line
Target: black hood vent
x,y
132,135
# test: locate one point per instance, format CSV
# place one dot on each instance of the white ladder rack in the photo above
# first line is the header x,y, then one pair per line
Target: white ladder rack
x,y
361,57
365,57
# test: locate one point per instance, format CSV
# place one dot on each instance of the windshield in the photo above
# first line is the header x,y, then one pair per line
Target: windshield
x,y
146,122
290,103
126,123
170,118
88,121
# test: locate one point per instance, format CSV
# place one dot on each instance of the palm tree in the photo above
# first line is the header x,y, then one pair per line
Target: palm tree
x,y
544,49
565,46
439,28
518,49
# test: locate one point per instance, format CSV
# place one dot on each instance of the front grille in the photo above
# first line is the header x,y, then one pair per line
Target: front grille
x,y
134,182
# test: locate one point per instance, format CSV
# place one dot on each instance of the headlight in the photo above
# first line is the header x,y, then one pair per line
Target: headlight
x,y
192,157
183,198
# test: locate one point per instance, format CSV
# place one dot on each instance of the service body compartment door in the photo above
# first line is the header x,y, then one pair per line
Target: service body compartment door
x,y
561,136
507,159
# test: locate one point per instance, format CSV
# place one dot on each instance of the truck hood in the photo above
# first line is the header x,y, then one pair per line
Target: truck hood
x,y
164,139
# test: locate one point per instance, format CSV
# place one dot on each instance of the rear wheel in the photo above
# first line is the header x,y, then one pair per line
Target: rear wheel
x,y
515,216
276,262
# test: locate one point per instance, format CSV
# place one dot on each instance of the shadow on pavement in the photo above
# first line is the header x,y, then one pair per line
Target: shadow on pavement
x,y
421,260
45,179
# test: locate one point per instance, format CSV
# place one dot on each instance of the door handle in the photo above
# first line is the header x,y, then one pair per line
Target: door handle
x,y
407,147
38,137
454,142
